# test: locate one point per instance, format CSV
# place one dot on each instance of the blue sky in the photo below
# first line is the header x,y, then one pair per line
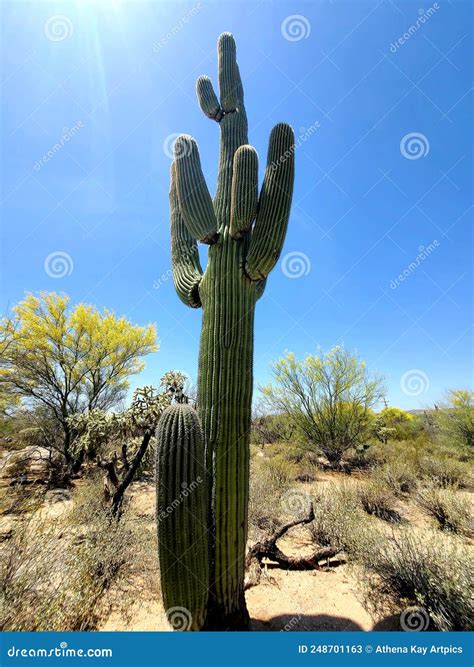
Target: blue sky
x,y
112,83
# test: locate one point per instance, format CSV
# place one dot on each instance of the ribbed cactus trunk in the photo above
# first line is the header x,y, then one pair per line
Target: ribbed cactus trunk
x,y
224,398
245,233
183,505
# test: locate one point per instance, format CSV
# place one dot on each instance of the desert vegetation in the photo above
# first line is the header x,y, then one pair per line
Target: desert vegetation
x,y
393,510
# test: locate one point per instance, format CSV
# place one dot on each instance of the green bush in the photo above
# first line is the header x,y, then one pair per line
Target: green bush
x,y
395,424
328,398
455,420
411,452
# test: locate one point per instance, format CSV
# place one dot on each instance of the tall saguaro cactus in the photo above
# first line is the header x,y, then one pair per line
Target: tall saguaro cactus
x,y
245,233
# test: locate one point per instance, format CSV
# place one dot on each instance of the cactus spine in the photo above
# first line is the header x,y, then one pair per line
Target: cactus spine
x,y
245,234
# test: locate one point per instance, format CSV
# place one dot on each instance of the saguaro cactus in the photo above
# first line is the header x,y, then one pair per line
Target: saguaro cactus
x,y
245,234
183,496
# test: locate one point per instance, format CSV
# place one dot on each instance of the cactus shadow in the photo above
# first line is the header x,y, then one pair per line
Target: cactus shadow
x,y
390,623
303,622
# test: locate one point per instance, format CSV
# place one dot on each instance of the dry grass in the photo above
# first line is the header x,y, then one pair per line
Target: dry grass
x,y
54,572
445,505
269,480
377,499
397,476
445,471
338,517
422,569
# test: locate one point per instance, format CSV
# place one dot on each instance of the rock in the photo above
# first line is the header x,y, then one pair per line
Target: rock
x,y
6,528
25,466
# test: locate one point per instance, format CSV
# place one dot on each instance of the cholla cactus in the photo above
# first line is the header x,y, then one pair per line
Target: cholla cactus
x,y
173,382
245,234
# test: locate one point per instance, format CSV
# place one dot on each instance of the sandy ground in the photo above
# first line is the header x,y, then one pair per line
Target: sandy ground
x,y
326,599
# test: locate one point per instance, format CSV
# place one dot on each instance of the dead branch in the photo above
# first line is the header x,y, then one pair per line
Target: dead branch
x,y
268,549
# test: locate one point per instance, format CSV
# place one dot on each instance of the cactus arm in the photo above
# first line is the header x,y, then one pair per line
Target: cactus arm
x,y
244,194
195,202
208,99
274,204
187,271
228,72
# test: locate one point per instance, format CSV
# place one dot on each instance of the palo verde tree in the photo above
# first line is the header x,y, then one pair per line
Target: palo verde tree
x,y
393,423
455,420
328,397
70,360
245,233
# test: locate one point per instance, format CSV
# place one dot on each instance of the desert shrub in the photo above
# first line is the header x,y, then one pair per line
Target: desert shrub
x,y
448,508
361,457
294,454
425,570
304,463
441,469
281,470
411,452
338,517
54,572
396,476
378,500
307,472
269,480
269,429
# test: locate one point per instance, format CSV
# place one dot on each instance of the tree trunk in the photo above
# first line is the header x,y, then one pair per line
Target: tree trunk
x,y
117,499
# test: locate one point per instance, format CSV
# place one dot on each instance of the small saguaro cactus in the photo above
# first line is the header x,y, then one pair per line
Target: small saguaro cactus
x,y
183,496
245,233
